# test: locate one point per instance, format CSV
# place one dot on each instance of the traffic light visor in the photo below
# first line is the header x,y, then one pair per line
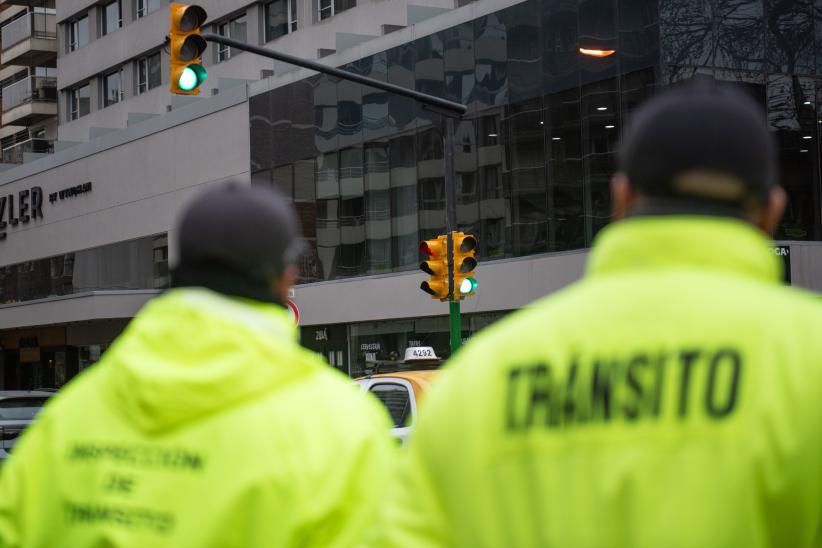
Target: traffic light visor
x,y
191,77
468,243
191,47
187,18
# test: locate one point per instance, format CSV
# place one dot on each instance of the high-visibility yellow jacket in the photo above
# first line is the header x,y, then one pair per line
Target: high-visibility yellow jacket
x,y
672,397
204,425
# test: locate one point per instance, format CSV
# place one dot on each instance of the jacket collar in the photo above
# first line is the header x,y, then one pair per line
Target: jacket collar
x,y
660,242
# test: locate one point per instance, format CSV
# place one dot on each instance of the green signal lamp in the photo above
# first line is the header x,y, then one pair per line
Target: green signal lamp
x,y
468,286
191,77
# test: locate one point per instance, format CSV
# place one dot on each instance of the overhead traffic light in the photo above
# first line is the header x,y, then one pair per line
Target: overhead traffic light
x,y
186,46
465,261
436,266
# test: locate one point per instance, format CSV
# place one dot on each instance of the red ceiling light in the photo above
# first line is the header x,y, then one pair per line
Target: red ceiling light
x,y
597,52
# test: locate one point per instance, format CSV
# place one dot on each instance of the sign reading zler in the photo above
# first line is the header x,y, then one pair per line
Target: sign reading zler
x,y
20,208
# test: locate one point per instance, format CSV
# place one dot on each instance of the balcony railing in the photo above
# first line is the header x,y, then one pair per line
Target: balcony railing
x,y
41,89
31,25
14,153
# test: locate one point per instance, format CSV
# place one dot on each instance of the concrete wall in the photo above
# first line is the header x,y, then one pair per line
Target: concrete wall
x,y
141,177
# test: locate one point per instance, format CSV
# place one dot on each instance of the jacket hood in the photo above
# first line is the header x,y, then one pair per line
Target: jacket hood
x,y
712,243
191,352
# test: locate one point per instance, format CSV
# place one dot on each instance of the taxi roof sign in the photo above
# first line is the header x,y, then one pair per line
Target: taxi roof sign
x,y
420,354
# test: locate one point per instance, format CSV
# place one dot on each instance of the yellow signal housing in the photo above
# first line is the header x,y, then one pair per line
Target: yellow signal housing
x,y
435,266
465,261
186,47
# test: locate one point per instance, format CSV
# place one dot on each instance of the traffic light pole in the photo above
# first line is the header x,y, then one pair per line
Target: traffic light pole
x,y
449,110
454,320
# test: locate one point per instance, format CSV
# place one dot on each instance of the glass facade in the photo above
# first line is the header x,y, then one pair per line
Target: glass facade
x,y
535,153
357,347
136,264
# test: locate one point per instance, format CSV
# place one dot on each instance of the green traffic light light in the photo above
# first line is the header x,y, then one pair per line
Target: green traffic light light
x,y
468,285
191,77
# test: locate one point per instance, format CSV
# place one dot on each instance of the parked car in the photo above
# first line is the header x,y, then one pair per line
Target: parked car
x,y
401,391
18,408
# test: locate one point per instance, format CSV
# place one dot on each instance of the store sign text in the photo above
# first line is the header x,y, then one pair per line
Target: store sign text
x,y
26,205
70,192
20,208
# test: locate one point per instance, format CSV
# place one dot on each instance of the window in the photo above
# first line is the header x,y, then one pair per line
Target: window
x,y
329,8
112,17
144,7
79,102
396,400
148,73
236,29
113,88
78,33
280,18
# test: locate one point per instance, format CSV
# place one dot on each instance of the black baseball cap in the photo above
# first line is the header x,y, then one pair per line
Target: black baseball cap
x,y
700,147
237,239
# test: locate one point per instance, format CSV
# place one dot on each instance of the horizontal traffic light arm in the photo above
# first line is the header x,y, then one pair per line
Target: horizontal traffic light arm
x,y
444,106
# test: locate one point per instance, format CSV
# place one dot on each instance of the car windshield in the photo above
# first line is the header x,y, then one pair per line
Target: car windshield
x,y
21,408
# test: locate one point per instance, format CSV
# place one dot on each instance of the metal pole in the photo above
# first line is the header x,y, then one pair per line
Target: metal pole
x,y
455,322
449,108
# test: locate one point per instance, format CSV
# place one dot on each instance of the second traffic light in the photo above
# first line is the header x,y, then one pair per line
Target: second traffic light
x,y
435,266
465,261
185,47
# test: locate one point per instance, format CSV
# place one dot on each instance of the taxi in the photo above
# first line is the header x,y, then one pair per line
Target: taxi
x,y
401,391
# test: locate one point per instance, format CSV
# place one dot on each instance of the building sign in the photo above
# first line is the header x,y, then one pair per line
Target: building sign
x,y
20,208
70,192
27,205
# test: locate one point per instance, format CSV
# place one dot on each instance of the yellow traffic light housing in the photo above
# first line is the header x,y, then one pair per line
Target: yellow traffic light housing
x,y
465,261
186,46
435,266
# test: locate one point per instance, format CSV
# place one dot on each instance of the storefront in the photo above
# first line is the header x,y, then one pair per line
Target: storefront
x,y
353,348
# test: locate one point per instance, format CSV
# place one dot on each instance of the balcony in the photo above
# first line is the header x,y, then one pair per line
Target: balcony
x,y
30,40
30,100
14,154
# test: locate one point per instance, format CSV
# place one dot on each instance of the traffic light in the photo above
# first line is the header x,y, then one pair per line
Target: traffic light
x,y
186,46
465,261
436,266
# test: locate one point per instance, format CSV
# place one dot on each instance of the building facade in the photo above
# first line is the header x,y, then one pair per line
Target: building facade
x,y
533,158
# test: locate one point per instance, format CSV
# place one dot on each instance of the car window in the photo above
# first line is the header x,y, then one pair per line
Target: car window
x,y
396,399
20,408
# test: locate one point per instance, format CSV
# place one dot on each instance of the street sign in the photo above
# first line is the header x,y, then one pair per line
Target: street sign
x,y
294,311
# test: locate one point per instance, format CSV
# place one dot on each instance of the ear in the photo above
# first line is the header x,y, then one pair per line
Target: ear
x,y
623,196
770,215
285,282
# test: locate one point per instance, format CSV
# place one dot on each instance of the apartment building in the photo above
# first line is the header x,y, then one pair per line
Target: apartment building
x,y
28,79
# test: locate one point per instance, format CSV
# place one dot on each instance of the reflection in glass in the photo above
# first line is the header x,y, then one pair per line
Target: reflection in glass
x,y
534,155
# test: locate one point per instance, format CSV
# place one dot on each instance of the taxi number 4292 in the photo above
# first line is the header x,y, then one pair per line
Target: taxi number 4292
x,y
423,353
